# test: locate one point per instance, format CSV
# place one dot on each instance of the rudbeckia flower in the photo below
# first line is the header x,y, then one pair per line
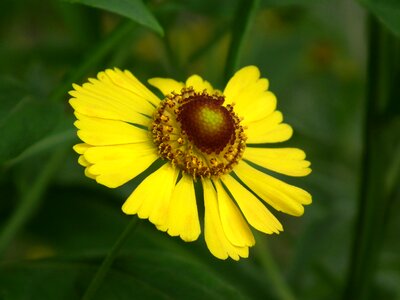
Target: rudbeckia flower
x,y
202,135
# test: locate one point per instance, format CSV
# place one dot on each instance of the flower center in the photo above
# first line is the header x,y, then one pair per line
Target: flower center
x,y
198,134
207,123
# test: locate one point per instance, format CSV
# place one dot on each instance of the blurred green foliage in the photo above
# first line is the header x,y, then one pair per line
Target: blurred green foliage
x,y
314,54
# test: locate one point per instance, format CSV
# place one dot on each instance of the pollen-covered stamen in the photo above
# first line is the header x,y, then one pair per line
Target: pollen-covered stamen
x,y
198,134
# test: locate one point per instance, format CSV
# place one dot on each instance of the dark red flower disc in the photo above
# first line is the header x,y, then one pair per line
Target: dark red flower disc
x,y
207,123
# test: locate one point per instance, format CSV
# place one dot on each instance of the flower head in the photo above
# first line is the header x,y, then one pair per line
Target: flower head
x,y
202,134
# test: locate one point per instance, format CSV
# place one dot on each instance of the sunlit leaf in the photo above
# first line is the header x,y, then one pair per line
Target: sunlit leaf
x,y
132,9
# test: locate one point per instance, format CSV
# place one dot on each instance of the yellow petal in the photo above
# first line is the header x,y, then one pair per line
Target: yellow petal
x,y
199,84
109,94
254,107
119,152
113,84
114,95
81,148
254,211
93,108
128,81
280,195
240,81
116,165
235,227
82,161
166,85
249,93
183,218
88,174
100,132
151,199
268,130
288,161
216,240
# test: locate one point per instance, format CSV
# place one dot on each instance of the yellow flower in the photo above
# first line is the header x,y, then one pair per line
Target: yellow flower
x,y
202,135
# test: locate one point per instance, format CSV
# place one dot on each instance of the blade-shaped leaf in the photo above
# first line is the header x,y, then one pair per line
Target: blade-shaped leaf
x,y
132,9
23,122
388,11
141,275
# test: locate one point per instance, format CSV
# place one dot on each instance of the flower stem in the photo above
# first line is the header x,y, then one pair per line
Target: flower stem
x,y
99,52
245,14
378,157
30,200
108,261
263,253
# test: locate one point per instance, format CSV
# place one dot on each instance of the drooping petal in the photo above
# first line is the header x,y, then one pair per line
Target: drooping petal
x,y
254,211
215,237
116,173
183,218
151,199
114,95
88,174
280,195
166,85
199,84
101,132
250,94
82,161
115,165
81,148
268,130
235,227
288,161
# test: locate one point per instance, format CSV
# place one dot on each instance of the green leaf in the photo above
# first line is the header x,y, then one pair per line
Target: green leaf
x,y
49,142
23,122
62,133
388,11
141,275
132,9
